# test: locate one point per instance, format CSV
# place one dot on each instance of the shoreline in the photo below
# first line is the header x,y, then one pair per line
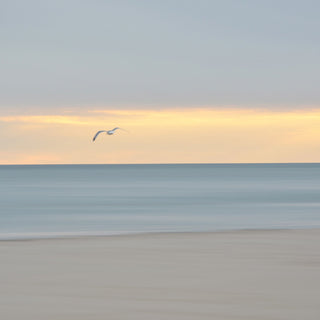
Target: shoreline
x,y
69,235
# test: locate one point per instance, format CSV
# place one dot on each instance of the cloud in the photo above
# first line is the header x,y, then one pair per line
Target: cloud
x,y
166,136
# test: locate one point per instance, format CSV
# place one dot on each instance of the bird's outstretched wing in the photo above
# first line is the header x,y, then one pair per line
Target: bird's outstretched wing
x,y
96,135
116,128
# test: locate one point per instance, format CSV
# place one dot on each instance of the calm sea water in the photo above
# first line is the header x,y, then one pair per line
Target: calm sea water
x,y
63,200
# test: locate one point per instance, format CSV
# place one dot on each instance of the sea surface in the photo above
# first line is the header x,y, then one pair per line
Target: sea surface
x,y
69,200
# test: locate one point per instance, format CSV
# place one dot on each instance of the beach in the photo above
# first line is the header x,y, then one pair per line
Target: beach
x,y
254,274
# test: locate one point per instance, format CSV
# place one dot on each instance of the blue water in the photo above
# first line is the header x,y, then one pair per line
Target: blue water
x,y
67,200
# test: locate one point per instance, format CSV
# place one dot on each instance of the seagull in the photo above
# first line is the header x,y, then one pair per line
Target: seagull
x,y
109,132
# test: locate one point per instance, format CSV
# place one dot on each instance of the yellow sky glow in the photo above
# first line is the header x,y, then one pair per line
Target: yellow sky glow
x,y
167,136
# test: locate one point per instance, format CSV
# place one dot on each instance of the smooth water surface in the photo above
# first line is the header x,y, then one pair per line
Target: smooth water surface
x,y
62,200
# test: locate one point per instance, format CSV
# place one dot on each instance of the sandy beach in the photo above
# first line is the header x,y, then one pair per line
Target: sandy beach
x,y
224,275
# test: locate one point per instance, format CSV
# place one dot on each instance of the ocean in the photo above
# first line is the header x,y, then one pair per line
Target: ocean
x,y
43,201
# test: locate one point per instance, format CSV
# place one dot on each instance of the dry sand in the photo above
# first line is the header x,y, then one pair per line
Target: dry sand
x,y
228,275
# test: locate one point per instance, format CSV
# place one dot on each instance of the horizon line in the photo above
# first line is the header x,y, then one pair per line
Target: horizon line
x,y
160,163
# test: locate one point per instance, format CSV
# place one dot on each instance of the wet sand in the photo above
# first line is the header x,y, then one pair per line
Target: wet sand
x,y
226,275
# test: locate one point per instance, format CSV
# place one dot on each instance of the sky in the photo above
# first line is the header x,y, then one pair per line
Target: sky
x,y
192,81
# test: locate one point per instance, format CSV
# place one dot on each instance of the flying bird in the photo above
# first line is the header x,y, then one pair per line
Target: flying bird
x,y
109,132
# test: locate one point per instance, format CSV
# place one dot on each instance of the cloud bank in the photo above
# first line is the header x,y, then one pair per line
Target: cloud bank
x,y
167,136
